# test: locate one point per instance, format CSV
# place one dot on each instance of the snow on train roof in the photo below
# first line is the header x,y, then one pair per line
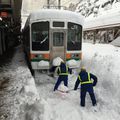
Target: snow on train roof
x,y
108,19
44,14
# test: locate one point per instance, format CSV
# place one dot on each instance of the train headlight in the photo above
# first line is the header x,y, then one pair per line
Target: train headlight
x,y
73,56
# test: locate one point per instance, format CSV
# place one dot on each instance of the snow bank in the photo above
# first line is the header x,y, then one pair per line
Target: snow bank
x,y
73,63
99,59
103,60
22,81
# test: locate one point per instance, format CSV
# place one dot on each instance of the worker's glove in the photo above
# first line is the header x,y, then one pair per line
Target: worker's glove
x,y
94,84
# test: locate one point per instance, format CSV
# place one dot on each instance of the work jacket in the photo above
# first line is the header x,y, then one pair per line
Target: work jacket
x,y
85,79
63,69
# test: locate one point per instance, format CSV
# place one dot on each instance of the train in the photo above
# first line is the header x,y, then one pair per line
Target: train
x,y
52,33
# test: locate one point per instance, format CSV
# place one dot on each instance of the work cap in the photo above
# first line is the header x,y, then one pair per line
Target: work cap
x,y
83,68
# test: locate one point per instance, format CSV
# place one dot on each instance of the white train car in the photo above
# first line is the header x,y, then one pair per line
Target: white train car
x,y
52,33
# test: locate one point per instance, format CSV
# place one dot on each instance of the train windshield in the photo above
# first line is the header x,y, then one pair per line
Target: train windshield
x,y
74,36
40,36
58,38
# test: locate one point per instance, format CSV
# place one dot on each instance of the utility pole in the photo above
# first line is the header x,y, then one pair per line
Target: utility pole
x,y
48,4
59,4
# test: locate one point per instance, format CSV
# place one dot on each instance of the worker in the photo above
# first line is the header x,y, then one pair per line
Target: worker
x,y
87,82
62,71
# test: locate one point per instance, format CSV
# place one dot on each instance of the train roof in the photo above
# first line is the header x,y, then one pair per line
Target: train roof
x,y
49,14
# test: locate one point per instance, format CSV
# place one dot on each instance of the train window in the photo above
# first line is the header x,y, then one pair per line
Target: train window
x,y
74,36
40,36
58,38
58,24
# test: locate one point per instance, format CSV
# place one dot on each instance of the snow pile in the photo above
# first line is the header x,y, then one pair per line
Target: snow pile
x,y
73,63
39,102
30,89
22,81
57,61
104,62
43,63
63,88
101,60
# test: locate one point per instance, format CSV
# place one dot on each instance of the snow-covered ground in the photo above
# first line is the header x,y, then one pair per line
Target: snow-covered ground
x,y
103,61
17,94
38,101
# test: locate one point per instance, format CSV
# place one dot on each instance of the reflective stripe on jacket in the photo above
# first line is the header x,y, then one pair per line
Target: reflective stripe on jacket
x,y
65,73
85,82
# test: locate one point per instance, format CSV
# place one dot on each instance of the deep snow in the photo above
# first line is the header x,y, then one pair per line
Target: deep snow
x,y
103,61
39,102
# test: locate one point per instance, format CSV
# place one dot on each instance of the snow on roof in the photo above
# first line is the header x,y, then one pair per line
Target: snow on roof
x,y
44,14
116,42
108,19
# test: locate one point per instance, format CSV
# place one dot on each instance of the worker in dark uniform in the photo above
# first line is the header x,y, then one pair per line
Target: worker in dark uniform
x,y
87,81
62,71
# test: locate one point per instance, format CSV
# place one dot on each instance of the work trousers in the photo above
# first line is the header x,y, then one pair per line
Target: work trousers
x,y
84,90
61,78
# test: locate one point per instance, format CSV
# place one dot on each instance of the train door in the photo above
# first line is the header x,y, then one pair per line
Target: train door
x,y
58,44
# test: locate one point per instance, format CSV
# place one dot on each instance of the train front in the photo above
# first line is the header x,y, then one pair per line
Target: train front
x,y
55,36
